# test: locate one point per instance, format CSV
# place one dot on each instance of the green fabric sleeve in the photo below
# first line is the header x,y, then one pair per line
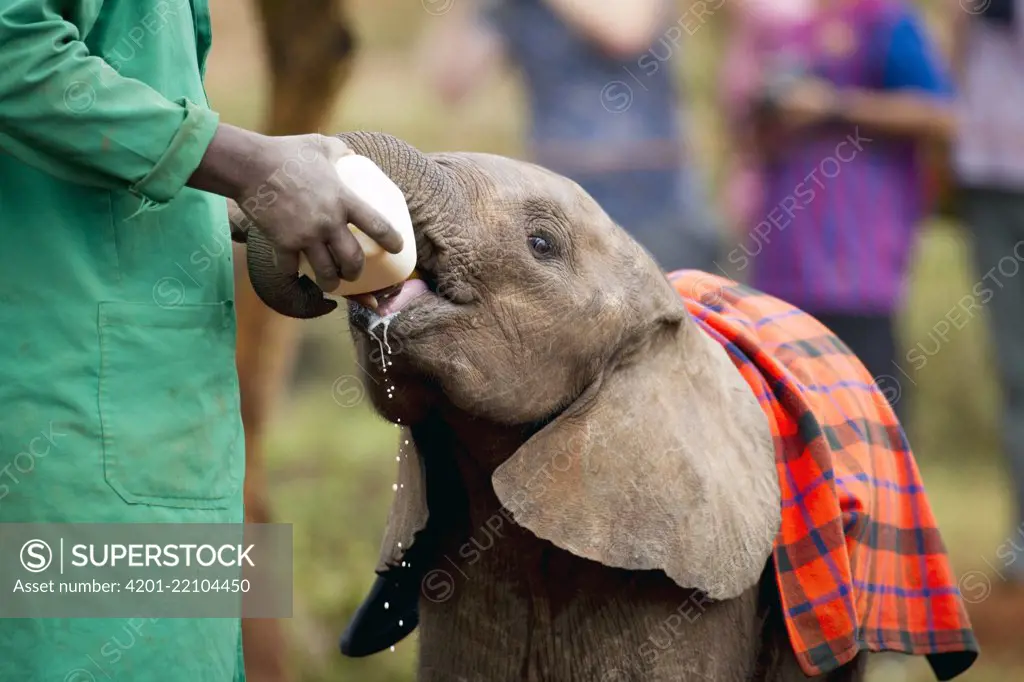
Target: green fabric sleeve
x,y
72,115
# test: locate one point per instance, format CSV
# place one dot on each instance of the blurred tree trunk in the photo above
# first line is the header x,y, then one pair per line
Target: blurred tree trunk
x,y
309,46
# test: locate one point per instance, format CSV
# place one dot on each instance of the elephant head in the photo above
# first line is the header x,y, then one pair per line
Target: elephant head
x,y
536,311
427,192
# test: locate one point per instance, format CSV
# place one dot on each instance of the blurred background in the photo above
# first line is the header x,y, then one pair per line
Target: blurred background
x,y
329,462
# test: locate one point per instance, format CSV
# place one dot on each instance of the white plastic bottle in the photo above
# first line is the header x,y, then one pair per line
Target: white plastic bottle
x,y
381,269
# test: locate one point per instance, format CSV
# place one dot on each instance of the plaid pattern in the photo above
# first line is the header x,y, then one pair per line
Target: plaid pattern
x,y
860,563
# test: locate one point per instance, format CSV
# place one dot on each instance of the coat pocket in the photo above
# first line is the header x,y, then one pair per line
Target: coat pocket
x,y
169,404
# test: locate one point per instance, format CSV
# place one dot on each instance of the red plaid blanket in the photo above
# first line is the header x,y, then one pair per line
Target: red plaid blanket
x,y
859,559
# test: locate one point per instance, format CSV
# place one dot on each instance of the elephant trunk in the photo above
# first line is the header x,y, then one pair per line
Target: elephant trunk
x,y
427,188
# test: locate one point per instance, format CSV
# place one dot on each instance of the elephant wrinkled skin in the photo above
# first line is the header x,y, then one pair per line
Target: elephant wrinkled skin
x,y
589,492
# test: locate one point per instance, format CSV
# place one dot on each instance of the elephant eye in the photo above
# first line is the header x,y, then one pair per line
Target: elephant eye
x,y
539,245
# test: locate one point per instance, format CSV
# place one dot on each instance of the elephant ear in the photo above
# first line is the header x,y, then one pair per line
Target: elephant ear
x,y
390,611
667,463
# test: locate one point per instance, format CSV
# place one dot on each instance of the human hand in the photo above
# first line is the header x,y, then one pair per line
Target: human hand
x,y
807,102
291,192
238,223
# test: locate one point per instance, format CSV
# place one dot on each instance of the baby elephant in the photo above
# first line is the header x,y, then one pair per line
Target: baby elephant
x,y
610,475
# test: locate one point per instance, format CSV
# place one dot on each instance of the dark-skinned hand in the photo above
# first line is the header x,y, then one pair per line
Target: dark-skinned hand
x,y
294,196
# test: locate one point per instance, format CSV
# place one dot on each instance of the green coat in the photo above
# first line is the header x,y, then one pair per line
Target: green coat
x,y
117,375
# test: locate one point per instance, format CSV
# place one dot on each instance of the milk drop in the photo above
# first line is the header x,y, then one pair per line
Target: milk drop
x,y
392,647
381,347
386,605
394,486
400,623
387,323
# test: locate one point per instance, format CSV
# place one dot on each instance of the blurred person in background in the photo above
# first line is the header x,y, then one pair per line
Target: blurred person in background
x,y
988,54
752,26
603,106
831,104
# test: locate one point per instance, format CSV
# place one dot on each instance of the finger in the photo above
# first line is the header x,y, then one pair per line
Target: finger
x,y
234,210
323,265
371,223
348,255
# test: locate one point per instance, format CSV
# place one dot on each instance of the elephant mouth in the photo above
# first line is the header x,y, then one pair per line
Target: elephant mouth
x,y
395,298
419,291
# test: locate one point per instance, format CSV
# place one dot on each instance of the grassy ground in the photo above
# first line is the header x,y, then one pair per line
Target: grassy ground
x,y
331,462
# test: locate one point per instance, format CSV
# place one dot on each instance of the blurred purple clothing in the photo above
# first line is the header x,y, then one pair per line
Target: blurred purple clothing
x,y
836,212
754,23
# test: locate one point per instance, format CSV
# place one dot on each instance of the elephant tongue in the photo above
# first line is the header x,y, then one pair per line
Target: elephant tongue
x,y
393,299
